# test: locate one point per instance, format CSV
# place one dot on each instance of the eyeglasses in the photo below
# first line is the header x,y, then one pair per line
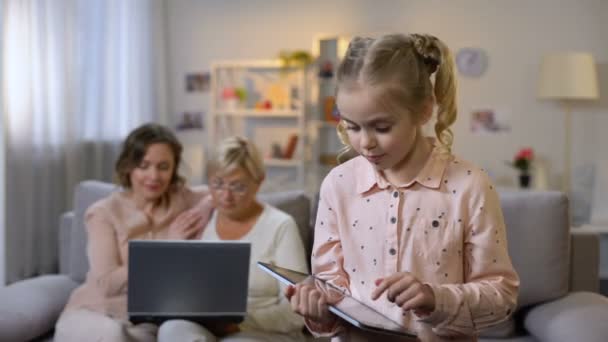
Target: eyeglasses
x,y
235,188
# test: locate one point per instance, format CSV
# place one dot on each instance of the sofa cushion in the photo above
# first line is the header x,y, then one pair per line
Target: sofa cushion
x,y
66,223
580,316
296,204
86,193
30,307
539,242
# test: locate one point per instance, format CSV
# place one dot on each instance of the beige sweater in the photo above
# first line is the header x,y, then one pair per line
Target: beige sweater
x,y
111,223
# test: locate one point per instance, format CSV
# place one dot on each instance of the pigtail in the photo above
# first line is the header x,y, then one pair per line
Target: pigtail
x,y
445,95
438,59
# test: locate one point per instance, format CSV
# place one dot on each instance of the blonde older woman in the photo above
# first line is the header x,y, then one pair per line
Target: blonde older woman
x,y
235,175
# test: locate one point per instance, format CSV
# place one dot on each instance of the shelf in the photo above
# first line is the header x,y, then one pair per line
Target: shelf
x,y
324,124
260,113
256,64
274,162
327,124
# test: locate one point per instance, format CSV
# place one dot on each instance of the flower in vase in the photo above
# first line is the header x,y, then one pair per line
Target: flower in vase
x,y
523,160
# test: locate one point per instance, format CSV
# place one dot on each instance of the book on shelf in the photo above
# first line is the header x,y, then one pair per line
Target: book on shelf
x,y
330,110
292,143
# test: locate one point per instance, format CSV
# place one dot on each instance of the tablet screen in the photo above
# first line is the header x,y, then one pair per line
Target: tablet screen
x,y
347,308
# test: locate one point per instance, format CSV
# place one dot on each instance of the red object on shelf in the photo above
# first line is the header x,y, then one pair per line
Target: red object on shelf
x,y
291,146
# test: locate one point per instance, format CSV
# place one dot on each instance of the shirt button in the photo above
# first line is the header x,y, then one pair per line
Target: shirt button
x,y
393,219
396,194
392,251
435,223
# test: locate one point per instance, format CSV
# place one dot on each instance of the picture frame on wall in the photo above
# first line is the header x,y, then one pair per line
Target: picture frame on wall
x,y
190,120
198,82
486,120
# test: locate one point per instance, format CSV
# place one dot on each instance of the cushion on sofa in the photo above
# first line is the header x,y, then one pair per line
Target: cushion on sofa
x,y
86,193
539,243
29,308
64,237
296,204
579,316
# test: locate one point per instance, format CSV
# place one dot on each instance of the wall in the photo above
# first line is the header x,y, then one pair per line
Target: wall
x,y
515,34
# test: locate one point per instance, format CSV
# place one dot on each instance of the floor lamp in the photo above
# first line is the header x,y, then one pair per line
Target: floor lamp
x,y
567,77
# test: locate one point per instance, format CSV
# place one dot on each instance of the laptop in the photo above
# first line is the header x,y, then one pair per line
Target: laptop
x,y
199,281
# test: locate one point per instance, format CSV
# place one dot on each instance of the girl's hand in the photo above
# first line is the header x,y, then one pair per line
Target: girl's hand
x,y
306,300
409,293
186,225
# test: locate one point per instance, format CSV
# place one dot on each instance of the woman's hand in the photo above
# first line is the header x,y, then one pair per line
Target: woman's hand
x,y
409,293
223,329
306,300
186,225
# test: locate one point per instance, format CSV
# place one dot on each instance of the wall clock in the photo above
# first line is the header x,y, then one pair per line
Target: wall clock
x,y
471,62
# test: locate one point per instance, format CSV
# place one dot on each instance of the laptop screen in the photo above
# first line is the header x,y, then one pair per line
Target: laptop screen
x,y
187,279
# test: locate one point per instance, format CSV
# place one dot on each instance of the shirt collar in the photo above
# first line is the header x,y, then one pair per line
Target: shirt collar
x,y
430,176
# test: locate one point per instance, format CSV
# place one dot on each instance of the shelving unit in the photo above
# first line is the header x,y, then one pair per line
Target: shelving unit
x,y
328,49
270,104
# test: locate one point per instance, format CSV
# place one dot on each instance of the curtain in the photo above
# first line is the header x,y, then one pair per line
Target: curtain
x,y
77,76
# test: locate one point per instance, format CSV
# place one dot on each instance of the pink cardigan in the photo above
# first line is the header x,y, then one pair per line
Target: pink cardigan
x,y
111,223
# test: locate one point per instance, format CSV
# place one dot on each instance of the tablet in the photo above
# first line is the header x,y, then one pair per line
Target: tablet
x,y
348,308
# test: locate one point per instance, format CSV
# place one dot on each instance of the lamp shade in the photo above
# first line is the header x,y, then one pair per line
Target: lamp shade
x,y
568,76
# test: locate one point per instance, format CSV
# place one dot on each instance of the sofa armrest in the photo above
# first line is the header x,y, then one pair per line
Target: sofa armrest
x,y
584,261
65,233
30,308
579,316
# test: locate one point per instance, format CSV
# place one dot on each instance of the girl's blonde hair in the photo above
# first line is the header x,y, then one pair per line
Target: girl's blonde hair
x,y
398,68
235,152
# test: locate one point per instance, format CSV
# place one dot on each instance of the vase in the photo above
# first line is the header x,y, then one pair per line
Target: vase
x,y
524,180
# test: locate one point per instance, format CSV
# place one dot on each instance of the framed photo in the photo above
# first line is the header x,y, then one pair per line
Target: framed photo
x,y
190,120
489,121
198,82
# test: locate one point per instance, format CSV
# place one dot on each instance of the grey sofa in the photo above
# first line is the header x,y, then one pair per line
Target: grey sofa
x,y
558,270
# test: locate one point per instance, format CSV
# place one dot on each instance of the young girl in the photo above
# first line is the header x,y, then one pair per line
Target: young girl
x,y
406,227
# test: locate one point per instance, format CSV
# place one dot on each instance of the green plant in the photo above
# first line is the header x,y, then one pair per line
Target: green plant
x,y
298,58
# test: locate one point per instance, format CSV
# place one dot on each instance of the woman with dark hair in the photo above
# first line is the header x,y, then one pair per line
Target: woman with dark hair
x,y
154,204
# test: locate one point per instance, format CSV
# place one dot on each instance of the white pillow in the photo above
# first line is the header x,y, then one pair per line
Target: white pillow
x,y
599,204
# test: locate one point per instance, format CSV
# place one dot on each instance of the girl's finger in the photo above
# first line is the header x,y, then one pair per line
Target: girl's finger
x,y
295,298
303,301
408,293
313,298
384,285
289,292
322,306
417,301
398,286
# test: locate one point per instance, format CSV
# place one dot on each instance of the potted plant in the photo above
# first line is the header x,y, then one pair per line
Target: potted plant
x,y
523,163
